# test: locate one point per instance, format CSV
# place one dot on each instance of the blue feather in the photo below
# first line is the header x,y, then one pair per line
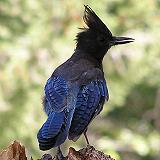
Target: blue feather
x,y
55,130
53,125
59,104
56,92
89,103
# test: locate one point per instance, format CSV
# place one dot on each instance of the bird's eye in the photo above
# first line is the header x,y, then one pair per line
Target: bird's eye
x,y
101,39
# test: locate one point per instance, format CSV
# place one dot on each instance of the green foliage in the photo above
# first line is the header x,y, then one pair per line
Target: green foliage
x,y
37,36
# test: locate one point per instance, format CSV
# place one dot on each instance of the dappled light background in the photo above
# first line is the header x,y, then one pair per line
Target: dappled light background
x,y
37,36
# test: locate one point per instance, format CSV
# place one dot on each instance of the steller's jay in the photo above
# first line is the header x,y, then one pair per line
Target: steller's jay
x,y
76,91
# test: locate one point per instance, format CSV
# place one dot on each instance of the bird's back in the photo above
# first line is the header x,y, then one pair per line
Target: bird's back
x,y
73,69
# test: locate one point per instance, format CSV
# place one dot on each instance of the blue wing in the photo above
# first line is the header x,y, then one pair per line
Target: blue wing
x,y
59,107
90,102
56,92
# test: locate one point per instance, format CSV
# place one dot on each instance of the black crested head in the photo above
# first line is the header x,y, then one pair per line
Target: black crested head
x,y
94,22
97,39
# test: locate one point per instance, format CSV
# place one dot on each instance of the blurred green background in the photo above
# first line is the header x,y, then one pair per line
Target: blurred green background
x,y
37,36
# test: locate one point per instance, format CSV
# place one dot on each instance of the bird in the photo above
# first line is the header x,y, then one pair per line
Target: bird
x,y
77,90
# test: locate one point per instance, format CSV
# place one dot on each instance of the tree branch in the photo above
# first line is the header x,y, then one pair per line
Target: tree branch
x,y
17,152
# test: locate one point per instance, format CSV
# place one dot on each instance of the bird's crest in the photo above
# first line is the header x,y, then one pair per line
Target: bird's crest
x,y
93,21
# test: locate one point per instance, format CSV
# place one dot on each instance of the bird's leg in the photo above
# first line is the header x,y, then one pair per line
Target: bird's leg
x,y
59,155
85,135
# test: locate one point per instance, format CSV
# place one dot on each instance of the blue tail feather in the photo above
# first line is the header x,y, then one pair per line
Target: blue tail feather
x,y
55,130
53,125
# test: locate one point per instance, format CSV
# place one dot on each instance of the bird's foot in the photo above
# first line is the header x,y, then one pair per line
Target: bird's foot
x,y
59,155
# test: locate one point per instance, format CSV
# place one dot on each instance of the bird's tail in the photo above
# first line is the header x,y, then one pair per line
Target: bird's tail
x,y
55,130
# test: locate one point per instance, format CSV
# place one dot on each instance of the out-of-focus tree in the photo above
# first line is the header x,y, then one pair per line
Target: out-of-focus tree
x,y
36,36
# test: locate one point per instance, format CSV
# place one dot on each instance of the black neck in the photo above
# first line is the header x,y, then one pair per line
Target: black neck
x,y
79,53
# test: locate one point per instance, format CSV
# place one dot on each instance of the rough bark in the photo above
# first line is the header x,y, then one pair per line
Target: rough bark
x,y
17,152
14,152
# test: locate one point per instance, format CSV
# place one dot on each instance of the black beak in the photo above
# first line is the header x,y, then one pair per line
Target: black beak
x,y
121,40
